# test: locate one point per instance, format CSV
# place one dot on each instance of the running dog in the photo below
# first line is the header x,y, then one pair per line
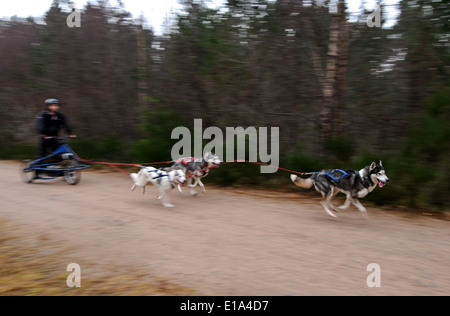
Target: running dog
x,y
162,179
355,184
196,169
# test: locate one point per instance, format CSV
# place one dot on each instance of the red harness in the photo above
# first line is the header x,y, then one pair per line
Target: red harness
x,y
186,160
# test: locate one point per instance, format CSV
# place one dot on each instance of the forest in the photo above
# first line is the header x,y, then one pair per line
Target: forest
x,y
343,94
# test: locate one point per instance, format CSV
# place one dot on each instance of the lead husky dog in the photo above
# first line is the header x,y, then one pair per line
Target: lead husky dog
x,y
162,179
196,169
355,184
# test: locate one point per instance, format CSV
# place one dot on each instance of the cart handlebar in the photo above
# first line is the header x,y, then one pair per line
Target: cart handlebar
x,y
60,137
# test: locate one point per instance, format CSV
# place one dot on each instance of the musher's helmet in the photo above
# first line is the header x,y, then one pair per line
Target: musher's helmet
x,y
52,101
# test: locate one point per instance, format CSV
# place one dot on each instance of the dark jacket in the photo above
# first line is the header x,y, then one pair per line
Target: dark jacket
x,y
49,124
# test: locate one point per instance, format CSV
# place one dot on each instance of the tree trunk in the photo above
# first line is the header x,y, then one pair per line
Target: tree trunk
x,y
334,84
344,39
329,84
142,68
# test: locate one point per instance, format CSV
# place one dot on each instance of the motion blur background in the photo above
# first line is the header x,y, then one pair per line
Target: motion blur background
x,y
342,93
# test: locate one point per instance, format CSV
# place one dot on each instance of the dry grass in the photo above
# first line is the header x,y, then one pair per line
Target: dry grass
x,y
35,266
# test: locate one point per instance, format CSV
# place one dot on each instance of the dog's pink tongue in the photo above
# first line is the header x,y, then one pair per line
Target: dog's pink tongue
x,y
381,184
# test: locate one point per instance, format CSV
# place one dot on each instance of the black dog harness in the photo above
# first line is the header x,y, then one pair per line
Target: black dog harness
x,y
160,174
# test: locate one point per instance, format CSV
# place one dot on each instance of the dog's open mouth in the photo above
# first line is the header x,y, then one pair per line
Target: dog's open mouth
x,y
381,183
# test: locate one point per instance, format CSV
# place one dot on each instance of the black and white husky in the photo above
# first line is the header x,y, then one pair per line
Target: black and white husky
x,y
355,184
196,168
163,180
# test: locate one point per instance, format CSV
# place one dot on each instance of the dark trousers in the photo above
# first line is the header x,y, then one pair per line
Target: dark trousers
x,y
45,145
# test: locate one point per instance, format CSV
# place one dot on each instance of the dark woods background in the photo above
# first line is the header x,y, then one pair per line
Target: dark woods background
x,y
343,94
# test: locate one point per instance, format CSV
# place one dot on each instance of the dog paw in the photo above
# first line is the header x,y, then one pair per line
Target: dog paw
x,y
334,208
364,215
331,214
158,198
168,205
194,194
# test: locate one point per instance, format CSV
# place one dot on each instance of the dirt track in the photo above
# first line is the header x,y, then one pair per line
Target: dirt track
x,y
229,242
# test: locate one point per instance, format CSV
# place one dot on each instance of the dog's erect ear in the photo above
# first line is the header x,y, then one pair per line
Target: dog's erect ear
x,y
372,166
381,164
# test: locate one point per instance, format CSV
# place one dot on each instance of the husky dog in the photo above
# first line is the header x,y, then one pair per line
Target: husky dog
x,y
355,184
162,179
196,168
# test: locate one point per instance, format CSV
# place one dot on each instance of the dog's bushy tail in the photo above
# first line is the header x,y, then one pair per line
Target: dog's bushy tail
x,y
303,183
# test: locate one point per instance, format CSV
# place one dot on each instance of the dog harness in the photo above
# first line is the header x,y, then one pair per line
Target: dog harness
x,y
160,174
344,174
186,160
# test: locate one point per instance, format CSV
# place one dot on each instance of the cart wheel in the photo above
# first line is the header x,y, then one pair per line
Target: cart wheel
x,y
27,175
72,177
